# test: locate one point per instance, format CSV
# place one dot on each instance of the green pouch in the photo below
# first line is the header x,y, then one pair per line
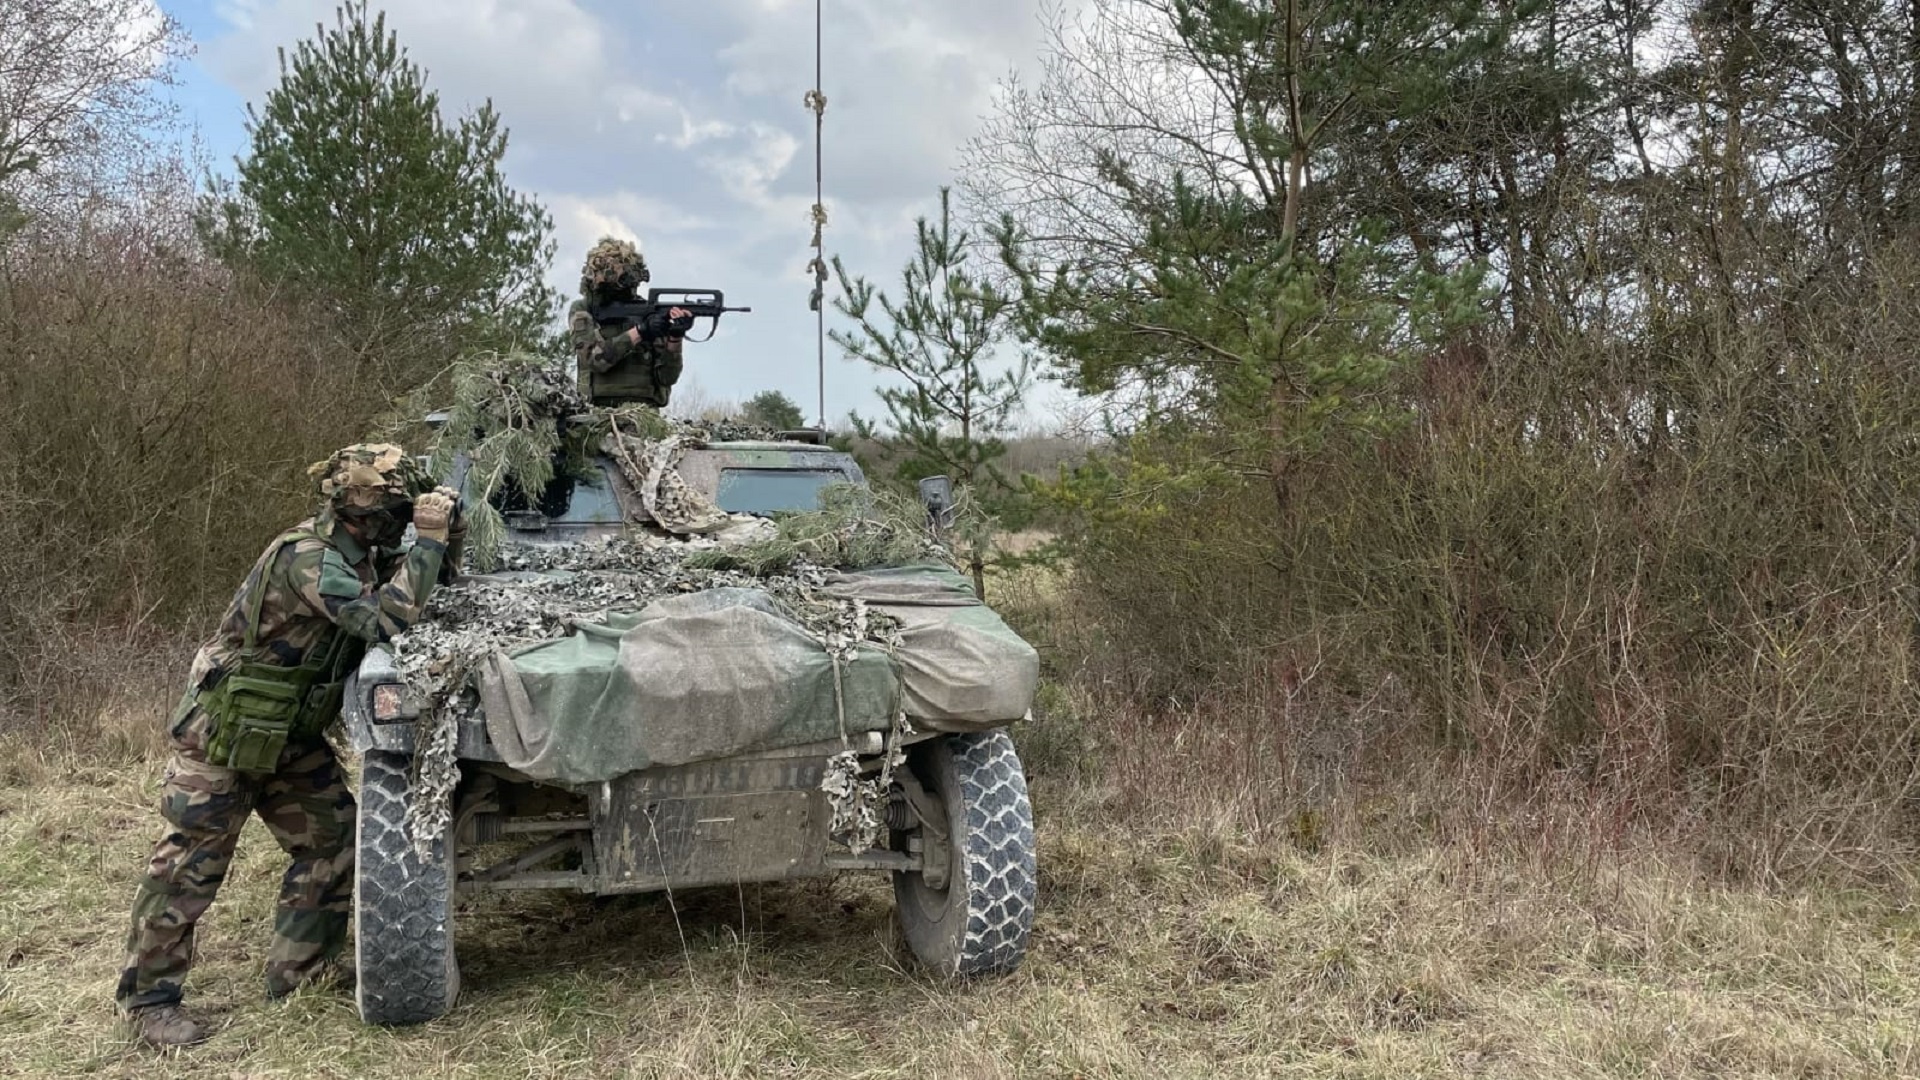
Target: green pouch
x,y
252,718
322,704
253,745
257,707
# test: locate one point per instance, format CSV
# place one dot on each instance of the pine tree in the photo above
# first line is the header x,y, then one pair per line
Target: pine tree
x,y
357,192
773,409
940,338
1240,319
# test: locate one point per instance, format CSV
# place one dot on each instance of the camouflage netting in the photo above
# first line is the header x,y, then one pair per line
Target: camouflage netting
x,y
522,423
652,467
545,595
596,659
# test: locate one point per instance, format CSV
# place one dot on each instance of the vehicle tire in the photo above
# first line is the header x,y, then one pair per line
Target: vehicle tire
x,y
402,906
978,924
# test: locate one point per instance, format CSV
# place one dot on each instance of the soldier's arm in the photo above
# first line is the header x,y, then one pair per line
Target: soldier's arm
x,y
450,559
453,556
598,354
668,362
330,588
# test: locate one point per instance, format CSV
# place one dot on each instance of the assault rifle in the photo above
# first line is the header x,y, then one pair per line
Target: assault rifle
x,y
650,314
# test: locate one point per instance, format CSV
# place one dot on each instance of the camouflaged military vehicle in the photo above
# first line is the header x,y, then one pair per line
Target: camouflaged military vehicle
x,y
954,827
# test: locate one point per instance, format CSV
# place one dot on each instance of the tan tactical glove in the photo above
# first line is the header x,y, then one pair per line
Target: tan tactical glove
x,y
432,514
450,564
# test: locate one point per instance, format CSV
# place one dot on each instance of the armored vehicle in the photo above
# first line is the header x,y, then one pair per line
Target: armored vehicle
x,y
956,835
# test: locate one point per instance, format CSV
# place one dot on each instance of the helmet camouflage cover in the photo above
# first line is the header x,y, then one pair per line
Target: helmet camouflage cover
x,y
369,476
613,263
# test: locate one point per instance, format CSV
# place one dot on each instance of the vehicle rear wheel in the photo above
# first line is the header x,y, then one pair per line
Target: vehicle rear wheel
x,y
978,923
403,906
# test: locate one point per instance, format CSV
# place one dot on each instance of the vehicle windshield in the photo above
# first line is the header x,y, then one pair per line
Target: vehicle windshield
x,y
586,500
770,491
592,502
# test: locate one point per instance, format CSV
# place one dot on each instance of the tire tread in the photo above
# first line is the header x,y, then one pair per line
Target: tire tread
x,y
997,877
402,906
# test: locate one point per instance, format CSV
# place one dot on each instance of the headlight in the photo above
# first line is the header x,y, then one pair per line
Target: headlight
x,y
390,704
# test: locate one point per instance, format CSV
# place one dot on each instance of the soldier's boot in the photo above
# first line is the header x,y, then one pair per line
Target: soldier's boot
x,y
339,974
162,1026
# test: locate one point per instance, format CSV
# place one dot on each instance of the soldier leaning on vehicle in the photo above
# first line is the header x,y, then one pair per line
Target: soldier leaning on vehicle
x,y
247,737
634,364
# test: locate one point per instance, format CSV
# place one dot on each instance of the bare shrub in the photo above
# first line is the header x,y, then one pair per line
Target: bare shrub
x,y
156,419
1692,610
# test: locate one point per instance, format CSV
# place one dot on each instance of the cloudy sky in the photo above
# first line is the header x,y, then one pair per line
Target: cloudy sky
x,y
681,125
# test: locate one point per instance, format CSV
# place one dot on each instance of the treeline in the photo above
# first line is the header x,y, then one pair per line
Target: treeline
x,y
1545,368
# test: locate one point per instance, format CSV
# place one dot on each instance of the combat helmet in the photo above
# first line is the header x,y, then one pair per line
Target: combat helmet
x,y
613,264
366,477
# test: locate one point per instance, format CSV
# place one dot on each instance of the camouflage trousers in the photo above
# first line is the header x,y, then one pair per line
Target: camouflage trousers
x,y
304,803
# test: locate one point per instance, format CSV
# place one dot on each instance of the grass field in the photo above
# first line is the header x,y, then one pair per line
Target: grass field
x,y
1159,951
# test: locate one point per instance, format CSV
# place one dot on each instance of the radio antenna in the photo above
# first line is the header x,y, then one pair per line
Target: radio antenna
x,y
817,101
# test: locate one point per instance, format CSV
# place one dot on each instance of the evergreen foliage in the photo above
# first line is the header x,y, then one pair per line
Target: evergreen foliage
x,y
356,189
941,336
938,334
1243,327
1534,365
773,410
521,423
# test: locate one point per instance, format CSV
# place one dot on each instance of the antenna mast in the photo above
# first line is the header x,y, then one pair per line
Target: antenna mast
x,y
817,101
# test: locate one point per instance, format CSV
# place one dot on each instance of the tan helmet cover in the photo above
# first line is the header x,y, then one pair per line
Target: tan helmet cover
x,y
613,263
368,476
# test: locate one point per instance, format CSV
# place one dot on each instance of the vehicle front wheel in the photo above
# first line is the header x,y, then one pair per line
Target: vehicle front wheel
x,y
402,904
978,922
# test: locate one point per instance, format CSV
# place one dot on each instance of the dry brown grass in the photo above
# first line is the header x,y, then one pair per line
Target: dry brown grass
x,y
1185,929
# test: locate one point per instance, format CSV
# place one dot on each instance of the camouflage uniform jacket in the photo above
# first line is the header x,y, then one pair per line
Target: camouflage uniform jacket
x,y
613,370
316,584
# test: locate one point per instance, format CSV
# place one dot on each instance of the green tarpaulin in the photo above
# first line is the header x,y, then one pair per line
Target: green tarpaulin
x,y
725,671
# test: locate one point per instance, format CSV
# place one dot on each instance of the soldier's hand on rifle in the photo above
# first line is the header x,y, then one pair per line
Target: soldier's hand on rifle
x,y
457,522
432,514
671,324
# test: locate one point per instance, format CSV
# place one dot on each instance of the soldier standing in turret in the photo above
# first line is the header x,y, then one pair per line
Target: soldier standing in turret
x,y
635,364
247,737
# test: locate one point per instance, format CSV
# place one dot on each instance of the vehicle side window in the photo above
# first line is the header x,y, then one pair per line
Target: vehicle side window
x,y
771,491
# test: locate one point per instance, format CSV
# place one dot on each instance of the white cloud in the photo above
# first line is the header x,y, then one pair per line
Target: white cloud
x,y
548,66
748,171
905,82
140,29
238,14
694,132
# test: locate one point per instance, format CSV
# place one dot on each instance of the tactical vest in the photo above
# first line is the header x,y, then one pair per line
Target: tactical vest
x,y
646,376
256,707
